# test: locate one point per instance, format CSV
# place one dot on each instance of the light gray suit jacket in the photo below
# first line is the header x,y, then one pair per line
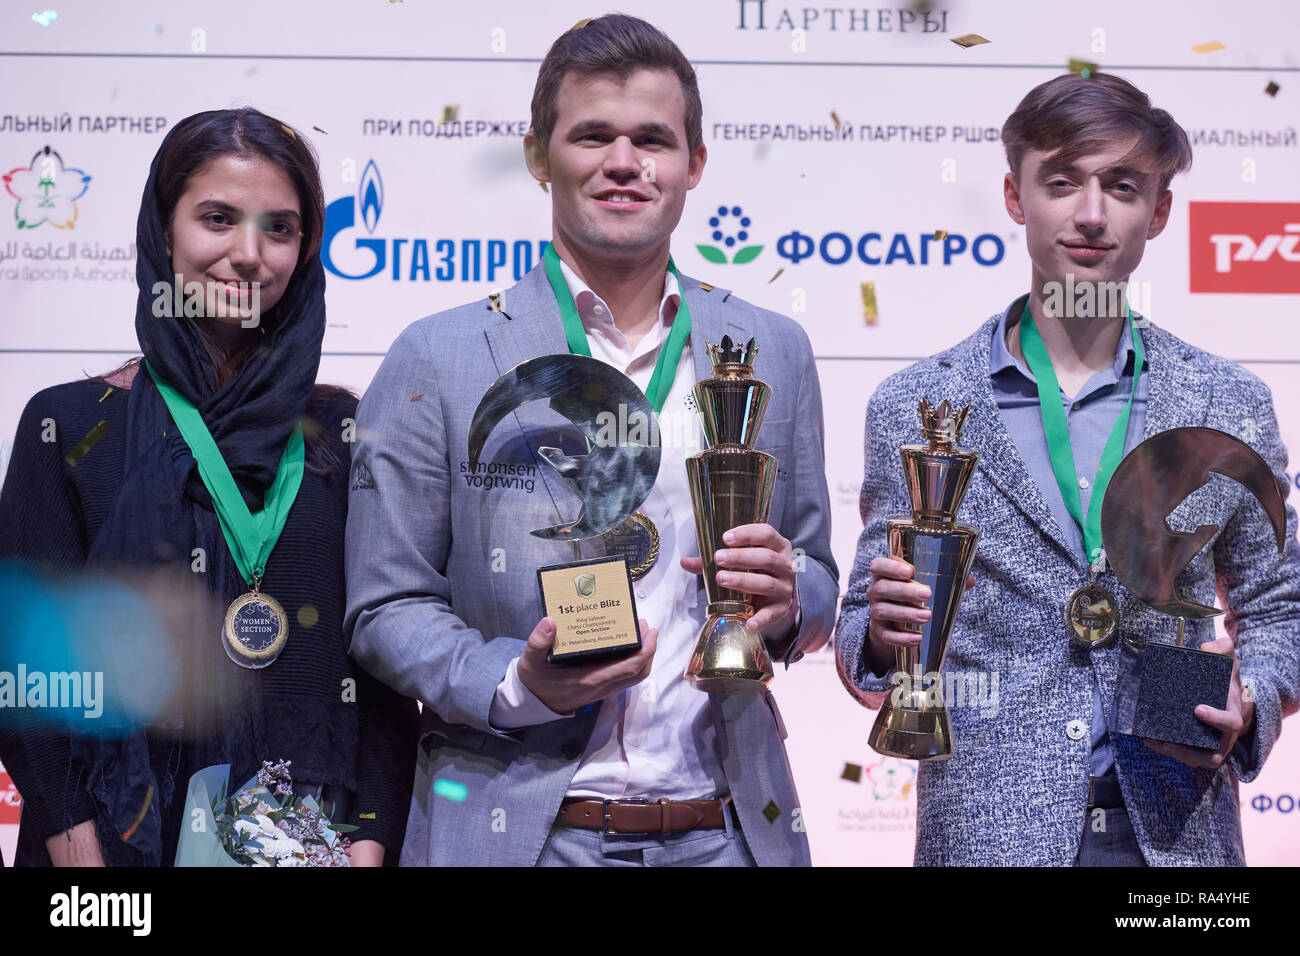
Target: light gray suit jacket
x,y
429,615
1015,791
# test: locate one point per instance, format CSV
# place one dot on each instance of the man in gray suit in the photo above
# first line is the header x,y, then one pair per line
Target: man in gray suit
x,y
1037,779
523,761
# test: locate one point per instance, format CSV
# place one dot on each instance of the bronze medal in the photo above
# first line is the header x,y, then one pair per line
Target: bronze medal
x,y
1091,615
256,629
636,541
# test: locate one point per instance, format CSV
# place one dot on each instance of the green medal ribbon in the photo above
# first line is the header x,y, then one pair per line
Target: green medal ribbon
x,y
251,537
661,382
1057,431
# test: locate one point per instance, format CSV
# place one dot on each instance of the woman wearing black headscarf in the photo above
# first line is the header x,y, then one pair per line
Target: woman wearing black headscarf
x,y
193,437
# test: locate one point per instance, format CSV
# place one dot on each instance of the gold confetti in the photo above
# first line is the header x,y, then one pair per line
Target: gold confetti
x,y
494,300
449,113
1272,88
310,427
852,772
88,443
803,175
836,116
319,130
106,394
544,189
580,24
1083,68
366,816
308,616
1208,47
940,234
771,811
969,40
705,287
416,398
777,276
869,311
289,131
148,799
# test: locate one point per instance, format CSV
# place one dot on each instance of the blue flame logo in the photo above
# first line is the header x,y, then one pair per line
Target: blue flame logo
x,y
370,196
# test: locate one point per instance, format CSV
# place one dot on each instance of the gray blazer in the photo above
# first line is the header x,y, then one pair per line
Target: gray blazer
x,y
441,569
1015,792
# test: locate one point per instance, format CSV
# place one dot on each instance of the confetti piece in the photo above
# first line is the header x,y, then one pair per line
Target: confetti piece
x,y
775,277
940,234
1208,47
88,443
836,117
106,394
580,24
969,40
308,616
319,130
45,18
289,131
852,772
869,310
449,113
1083,68
494,300
1272,88
148,798
803,175
544,189
771,811
310,427
366,816
416,398
705,287
451,790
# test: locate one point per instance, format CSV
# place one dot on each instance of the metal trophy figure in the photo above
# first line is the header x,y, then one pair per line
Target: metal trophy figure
x,y
731,485
914,724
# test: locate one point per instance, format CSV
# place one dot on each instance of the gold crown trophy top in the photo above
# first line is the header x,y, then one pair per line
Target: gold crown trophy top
x,y
731,485
913,723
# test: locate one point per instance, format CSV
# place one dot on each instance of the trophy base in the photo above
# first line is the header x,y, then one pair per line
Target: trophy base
x,y
729,659
912,734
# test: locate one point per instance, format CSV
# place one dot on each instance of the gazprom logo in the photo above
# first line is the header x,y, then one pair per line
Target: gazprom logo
x,y
341,215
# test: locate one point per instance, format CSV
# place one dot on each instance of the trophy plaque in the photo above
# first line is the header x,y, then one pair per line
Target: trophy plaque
x,y
731,485
914,723
1159,685
590,600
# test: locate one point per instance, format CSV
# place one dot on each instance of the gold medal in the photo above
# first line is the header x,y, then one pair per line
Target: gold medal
x,y
256,629
636,541
1091,615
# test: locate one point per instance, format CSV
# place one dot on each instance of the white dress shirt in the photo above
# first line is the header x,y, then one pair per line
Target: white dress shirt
x,y
655,739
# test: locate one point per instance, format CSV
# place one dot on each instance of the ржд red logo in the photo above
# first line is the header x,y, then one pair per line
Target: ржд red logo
x,y
1245,246
11,804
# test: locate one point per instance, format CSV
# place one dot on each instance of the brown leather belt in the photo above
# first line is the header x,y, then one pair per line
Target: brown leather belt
x,y
642,816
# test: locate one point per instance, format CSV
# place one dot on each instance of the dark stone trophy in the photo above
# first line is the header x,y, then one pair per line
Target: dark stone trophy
x,y
1159,685
591,601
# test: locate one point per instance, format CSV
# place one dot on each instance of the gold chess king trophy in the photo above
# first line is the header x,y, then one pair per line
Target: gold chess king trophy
x,y
914,723
731,485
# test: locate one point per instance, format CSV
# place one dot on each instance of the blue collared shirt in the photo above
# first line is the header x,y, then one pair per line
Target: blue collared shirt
x,y
1090,415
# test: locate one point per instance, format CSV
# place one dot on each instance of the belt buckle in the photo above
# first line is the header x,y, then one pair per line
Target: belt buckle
x,y
604,808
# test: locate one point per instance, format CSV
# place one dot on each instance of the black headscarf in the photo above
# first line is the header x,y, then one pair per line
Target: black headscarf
x,y
163,511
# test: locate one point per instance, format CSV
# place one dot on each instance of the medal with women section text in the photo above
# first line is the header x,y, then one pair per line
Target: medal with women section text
x,y
256,628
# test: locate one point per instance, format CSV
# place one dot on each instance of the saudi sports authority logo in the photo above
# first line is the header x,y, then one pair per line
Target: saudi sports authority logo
x,y
729,227
47,191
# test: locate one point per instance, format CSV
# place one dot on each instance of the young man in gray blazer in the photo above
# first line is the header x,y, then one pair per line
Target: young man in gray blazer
x,y
1037,779
523,761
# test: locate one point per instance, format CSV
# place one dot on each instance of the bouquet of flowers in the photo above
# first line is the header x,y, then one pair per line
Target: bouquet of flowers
x,y
264,823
